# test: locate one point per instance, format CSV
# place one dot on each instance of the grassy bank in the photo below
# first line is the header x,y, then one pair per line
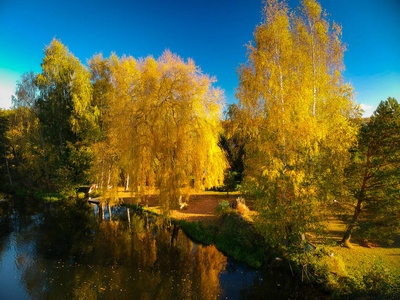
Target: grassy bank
x,y
355,272
232,235
79,193
342,272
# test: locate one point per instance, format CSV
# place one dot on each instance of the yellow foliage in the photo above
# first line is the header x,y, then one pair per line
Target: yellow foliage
x,y
163,122
295,111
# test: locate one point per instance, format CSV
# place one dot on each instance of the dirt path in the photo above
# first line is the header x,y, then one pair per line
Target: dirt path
x,y
201,207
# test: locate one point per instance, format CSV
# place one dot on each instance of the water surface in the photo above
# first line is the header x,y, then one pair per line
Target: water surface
x,y
77,251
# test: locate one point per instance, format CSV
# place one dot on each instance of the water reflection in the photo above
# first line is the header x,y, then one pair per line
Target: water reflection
x,y
74,251
65,251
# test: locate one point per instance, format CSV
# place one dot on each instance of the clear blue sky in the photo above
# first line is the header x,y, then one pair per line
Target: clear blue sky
x,y
212,32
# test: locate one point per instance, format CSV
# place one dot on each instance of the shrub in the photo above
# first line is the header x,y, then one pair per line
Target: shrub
x,y
223,208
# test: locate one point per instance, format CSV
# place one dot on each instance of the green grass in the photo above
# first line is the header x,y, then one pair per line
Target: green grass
x,y
233,236
358,255
356,272
353,272
49,197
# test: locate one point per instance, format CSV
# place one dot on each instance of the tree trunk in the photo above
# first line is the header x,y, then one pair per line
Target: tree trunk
x,y
350,227
109,176
109,212
361,198
127,183
283,129
129,217
45,160
8,169
102,175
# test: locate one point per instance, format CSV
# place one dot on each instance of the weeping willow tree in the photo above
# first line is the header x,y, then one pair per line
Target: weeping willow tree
x,y
296,114
163,124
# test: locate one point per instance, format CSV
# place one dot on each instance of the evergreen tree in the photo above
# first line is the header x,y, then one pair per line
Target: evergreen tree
x,y
374,176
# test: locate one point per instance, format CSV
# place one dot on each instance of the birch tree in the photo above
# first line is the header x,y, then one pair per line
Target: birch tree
x,y
296,112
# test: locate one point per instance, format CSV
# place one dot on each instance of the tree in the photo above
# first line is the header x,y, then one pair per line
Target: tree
x,y
374,175
26,91
164,125
233,145
4,162
27,126
296,112
66,113
100,69
22,143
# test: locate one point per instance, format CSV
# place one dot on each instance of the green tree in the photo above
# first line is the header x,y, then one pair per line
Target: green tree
x,y
67,116
374,176
23,149
296,115
105,167
233,144
5,175
26,132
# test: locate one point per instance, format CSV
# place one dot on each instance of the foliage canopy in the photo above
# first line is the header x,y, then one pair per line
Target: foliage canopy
x,y
296,114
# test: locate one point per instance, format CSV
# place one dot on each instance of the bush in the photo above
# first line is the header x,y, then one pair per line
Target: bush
x,y
223,208
381,281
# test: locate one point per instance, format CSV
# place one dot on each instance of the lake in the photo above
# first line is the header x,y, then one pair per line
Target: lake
x,y
75,250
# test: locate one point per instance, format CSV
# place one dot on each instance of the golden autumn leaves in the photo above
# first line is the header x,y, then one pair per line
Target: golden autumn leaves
x,y
155,123
162,122
297,112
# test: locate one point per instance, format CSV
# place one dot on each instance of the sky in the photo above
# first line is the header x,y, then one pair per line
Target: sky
x,y
211,32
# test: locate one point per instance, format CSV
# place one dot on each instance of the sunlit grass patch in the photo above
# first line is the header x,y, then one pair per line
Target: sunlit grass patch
x,y
356,271
362,257
50,197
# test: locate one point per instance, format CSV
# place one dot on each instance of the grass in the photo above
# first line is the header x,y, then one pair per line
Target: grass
x,y
359,255
232,235
362,256
355,272
358,271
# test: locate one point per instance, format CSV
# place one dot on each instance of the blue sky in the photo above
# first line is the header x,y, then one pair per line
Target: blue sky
x,y
211,32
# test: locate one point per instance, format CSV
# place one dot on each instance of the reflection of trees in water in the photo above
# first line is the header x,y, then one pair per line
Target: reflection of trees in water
x,y
108,260
209,263
21,218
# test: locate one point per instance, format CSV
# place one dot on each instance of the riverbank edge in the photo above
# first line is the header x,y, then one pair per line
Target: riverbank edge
x,y
238,239
230,236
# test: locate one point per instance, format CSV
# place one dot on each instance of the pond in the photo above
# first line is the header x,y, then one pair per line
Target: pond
x,y
74,250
